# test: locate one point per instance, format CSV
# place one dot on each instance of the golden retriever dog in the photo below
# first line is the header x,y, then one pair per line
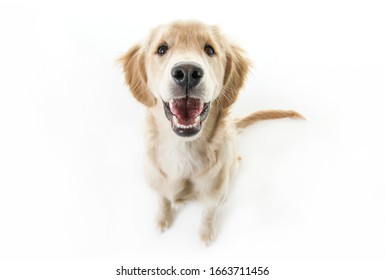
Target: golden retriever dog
x,y
188,75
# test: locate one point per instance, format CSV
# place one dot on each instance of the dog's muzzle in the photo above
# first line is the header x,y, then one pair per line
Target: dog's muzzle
x,y
186,111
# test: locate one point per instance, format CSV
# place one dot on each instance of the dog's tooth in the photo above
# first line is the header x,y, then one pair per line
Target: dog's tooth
x,y
179,125
175,119
197,121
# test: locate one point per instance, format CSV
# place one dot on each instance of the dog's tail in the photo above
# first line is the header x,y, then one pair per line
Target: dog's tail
x,y
243,122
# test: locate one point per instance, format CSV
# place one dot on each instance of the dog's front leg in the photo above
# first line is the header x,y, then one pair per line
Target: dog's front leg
x,y
207,230
215,194
164,216
156,180
167,194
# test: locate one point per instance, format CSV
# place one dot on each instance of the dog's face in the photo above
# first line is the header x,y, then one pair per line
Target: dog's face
x,y
187,67
185,70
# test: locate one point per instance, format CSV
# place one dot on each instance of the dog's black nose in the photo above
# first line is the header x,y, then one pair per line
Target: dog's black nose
x,y
187,74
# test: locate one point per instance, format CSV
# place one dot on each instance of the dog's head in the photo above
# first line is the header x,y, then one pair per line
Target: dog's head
x,y
187,67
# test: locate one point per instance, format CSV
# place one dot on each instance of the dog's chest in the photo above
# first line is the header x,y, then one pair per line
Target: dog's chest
x,y
182,159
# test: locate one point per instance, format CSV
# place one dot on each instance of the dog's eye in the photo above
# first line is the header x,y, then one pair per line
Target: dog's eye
x,y
209,50
162,50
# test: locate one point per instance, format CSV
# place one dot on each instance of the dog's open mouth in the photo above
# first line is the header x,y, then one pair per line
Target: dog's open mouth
x,y
186,114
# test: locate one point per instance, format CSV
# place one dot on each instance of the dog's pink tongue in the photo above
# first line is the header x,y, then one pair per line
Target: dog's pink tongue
x,y
186,109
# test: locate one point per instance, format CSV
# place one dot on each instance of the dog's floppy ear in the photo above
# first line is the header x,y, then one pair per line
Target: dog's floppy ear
x,y
237,67
135,75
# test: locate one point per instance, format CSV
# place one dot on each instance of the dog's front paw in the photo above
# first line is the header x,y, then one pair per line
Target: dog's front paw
x,y
207,234
163,221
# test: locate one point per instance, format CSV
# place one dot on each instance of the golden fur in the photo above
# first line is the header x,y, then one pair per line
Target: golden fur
x,y
201,166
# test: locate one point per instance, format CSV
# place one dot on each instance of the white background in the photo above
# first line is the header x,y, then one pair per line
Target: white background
x,y
71,146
